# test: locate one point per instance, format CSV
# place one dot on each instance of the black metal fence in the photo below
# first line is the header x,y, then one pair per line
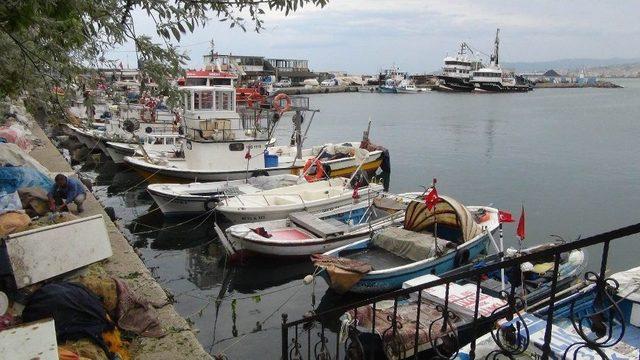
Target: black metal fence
x,y
297,342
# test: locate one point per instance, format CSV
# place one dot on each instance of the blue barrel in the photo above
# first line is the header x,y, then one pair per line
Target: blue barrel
x,y
270,160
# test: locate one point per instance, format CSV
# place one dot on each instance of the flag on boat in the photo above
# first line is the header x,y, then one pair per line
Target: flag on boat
x,y
431,198
520,231
247,155
505,216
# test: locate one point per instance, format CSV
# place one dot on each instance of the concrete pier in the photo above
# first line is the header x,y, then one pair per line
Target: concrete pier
x,y
180,341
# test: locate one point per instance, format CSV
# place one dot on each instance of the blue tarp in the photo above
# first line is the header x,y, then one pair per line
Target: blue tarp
x,y
18,177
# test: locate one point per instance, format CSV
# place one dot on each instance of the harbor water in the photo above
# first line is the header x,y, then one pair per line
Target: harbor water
x,y
571,156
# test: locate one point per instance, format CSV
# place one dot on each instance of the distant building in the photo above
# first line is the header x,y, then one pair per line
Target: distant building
x,y
255,67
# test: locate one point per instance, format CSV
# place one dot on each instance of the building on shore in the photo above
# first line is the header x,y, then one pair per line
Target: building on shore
x,y
250,68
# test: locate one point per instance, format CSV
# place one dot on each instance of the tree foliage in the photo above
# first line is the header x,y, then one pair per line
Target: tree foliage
x,y
47,43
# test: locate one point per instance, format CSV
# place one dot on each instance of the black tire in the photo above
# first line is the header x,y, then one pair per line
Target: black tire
x,y
148,130
259,173
211,203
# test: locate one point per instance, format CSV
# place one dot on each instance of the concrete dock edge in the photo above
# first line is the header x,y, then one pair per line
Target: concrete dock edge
x,y
180,341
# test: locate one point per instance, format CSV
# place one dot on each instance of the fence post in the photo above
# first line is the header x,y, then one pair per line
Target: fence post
x,y
546,347
285,338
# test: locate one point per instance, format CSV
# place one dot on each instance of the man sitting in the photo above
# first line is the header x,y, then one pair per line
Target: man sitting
x,y
64,191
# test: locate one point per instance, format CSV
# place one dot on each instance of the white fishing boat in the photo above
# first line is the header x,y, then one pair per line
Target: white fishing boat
x,y
304,233
407,87
495,79
196,198
161,145
312,197
222,144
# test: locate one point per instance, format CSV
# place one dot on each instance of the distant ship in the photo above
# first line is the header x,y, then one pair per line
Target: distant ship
x,y
456,72
494,79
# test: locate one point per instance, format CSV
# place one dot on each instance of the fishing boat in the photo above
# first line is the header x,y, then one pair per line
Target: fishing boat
x,y
274,204
196,198
429,242
494,79
601,323
389,87
457,71
161,145
222,144
461,304
407,87
304,233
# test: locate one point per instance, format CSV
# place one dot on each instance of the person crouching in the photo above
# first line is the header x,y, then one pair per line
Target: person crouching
x,y
64,191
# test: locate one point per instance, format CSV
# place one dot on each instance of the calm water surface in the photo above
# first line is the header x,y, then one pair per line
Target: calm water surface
x,y
570,155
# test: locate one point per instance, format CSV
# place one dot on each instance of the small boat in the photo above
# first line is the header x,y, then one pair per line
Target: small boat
x,y
196,198
407,87
429,242
278,203
619,303
461,304
161,145
304,233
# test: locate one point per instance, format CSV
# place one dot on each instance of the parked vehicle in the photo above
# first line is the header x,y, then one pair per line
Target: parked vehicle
x,y
283,83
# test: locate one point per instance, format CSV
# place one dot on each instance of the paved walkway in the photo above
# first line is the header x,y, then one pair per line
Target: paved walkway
x,y
181,342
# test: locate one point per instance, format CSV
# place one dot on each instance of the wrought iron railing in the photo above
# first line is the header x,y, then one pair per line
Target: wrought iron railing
x,y
297,340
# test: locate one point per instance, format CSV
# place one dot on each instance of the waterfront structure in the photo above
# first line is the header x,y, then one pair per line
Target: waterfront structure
x,y
258,67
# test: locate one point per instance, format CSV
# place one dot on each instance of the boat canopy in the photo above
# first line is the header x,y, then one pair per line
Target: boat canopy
x,y
447,211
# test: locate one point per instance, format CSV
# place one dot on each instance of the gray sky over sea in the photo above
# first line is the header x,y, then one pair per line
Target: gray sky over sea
x,y
363,36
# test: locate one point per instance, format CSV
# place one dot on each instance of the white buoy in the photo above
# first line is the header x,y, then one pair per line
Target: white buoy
x,y
308,279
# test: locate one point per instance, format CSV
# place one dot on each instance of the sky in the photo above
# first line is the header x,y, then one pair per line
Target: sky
x,y
364,36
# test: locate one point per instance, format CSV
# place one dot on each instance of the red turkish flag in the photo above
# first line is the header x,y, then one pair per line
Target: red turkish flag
x,y
520,230
505,216
247,155
431,199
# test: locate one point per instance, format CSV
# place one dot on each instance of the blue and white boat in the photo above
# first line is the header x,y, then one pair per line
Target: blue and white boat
x,y
429,242
604,327
389,87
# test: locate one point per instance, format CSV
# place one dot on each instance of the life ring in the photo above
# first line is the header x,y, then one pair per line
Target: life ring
x,y
254,97
320,173
278,99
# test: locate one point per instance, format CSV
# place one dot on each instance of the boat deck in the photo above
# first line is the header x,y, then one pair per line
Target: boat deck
x,y
377,257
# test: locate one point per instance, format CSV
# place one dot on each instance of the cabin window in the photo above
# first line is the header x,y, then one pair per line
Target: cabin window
x,y
196,101
223,100
187,102
236,146
168,141
206,101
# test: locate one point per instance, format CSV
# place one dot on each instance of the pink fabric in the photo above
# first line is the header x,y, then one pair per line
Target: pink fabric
x,y
13,136
136,314
290,234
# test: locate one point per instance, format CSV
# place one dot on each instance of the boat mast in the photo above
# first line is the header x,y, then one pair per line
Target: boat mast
x,y
494,56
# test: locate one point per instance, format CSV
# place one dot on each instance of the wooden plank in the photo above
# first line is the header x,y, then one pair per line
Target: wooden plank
x,y
36,340
314,224
49,251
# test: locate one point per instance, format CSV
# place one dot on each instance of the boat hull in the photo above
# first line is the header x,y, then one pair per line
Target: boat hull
x,y
448,83
118,154
497,87
172,206
375,283
156,173
239,215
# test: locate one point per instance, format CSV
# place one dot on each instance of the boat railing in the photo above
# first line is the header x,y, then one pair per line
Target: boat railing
x,y
309,336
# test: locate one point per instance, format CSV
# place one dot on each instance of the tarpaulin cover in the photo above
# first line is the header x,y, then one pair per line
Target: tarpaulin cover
x,y
15,134
10,202
343,272
411,245
13,178
12,155
447,211
76,311
399,344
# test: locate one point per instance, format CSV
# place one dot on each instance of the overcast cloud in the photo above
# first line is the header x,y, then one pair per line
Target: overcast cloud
x,y
363,36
